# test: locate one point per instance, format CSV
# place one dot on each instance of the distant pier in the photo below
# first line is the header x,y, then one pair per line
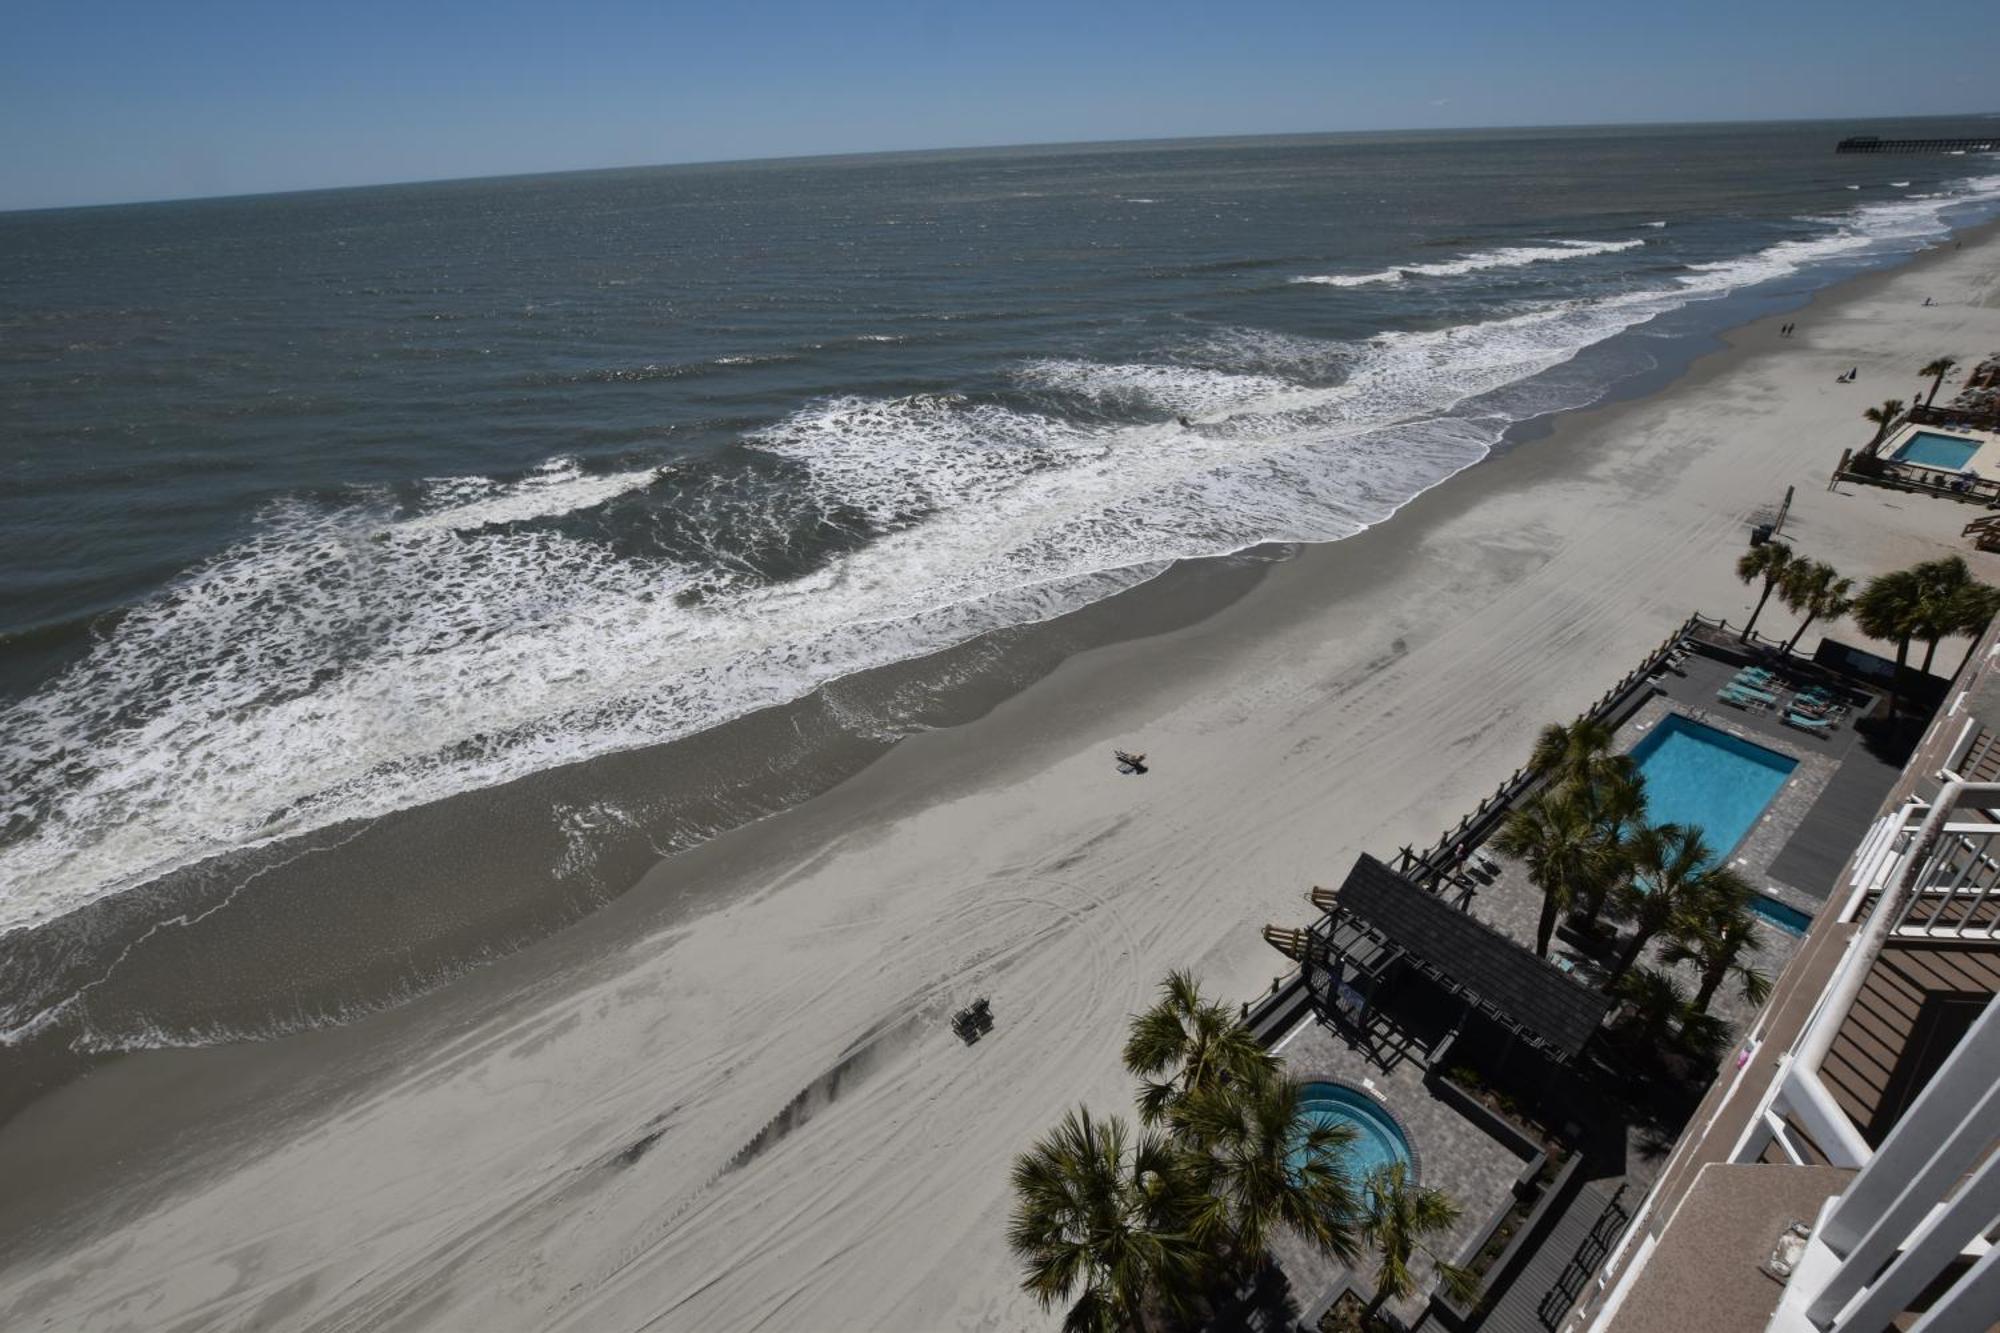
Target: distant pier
x,y
1868,143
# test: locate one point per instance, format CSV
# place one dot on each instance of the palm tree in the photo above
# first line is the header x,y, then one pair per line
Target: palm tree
x,y
1570,755
1616,807
1818,590
1937,368
1262,1164
1555,836
1185,1043
1104,1218
1938,608
1397,1215
1714,942
1672,879
1770,562
1973,609
1884,417
1888,609
1655,1004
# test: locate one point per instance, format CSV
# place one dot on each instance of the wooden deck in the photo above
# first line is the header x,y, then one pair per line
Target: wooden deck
x,y
1915,1004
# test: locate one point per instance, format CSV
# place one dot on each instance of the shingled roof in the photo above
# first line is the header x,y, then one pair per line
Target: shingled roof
x,y
1471,957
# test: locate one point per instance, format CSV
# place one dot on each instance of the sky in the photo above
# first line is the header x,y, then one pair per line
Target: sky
x,y
106,101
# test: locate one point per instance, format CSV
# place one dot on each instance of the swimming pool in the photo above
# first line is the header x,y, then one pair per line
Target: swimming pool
x,y
1378,1139
1698,775
1934,450
1779,915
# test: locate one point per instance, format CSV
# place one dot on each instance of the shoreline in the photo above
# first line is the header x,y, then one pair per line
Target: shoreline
x,y
385,928
1306,716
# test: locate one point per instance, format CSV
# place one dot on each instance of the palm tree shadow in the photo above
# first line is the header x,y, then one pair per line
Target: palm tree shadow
x,y
1265,1304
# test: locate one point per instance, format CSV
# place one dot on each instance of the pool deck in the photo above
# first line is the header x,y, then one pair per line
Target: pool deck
x,y
1476,1169
1985,460
1793,853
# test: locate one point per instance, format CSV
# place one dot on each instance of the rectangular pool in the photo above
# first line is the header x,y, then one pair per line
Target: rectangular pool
x,y
1934,450
1698,775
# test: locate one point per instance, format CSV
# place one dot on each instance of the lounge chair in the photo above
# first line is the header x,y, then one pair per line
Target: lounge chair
x,y
1818,726
1762,696
1741,699
1761,675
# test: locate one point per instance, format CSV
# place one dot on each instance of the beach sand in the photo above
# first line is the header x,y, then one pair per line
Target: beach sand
x,y
754,1115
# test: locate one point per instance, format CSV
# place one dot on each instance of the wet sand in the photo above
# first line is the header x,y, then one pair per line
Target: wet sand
x,y
729,1099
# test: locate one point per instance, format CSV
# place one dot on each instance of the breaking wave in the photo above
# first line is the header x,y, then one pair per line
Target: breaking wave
x,y
1510,256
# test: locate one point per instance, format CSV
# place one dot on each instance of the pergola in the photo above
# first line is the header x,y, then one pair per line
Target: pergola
x,y
1378,922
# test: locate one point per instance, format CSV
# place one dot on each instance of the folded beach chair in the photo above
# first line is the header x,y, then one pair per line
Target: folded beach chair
x,y
1818,726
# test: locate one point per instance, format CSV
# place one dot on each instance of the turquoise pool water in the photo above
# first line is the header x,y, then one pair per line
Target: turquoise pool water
x,y
1934,450
1698,775
1779,915
1378,1139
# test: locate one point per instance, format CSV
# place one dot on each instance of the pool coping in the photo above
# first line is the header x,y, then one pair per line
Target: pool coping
x,y
1409,1141
1754,852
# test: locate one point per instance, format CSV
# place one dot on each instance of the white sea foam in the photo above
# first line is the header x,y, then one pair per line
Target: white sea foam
x,y
1352,279
1652,224
558,487
1516,256
1508,256
1166,387
346,663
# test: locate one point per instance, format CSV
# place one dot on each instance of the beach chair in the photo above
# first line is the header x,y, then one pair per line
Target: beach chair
x,y
1757,675
1750,691
1818,726
1743,699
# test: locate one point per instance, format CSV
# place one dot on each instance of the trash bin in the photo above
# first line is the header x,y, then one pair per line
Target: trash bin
x,y
1760,534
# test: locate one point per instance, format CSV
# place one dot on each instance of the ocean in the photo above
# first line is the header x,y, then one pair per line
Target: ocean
x,y
327,513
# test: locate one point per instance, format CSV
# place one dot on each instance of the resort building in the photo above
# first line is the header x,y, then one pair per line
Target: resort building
x,y
1841,1173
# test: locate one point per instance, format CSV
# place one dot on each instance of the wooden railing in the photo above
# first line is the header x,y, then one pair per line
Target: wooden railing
x,y
1961,418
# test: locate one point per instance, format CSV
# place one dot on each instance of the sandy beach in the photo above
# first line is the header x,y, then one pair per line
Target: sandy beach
x,y
752,1114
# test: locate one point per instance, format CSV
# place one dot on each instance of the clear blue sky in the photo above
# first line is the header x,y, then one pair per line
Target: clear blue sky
x,y
107,100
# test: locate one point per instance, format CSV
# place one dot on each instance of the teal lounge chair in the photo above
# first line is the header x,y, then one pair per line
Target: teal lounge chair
x,y
1742,699
1818,726
1762,696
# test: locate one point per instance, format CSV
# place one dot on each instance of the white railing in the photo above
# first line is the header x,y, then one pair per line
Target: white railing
x,y
1947,898
1933,871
